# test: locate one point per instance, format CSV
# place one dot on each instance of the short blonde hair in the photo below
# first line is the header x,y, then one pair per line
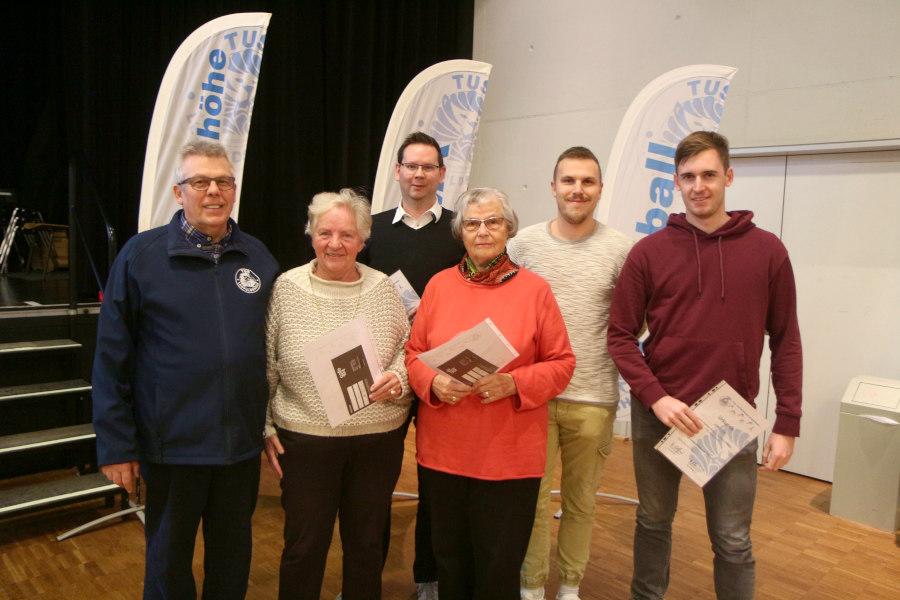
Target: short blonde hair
x,y
480,196
350,199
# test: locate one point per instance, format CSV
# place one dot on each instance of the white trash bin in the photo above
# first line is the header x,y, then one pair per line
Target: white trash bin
x,y
867,462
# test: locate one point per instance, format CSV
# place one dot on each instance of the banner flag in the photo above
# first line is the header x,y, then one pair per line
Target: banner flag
x,y
445,101
206,93
638,184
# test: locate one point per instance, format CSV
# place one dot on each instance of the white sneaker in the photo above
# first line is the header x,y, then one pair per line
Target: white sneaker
x,y
567,596
531,593
427,590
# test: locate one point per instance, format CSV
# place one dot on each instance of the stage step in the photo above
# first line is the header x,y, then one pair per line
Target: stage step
x,y
51,388
37,346
21,442
41,495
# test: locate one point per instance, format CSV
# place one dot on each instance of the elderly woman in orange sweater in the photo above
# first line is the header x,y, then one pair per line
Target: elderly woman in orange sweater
x,y
482,448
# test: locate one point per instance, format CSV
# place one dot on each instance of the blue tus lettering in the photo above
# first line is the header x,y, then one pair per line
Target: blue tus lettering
x,y
470,82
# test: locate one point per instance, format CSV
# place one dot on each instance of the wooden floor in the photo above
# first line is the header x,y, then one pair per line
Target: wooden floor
x,y
802,552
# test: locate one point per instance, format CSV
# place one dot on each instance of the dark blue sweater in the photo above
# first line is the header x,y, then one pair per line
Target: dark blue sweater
x,y
179,371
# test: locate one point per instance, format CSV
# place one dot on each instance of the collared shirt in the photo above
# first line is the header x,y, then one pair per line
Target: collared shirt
x,y
432,214
204,242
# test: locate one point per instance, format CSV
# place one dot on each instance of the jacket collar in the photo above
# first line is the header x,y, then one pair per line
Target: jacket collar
x,y
179,246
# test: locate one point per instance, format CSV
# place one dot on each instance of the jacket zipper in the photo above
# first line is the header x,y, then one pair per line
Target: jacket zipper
x,y
226,382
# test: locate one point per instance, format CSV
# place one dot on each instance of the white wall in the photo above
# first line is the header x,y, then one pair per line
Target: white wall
x,y
566,71
836,215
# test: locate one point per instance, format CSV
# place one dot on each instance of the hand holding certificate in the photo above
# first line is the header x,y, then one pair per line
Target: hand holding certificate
x,y
729,424
472,354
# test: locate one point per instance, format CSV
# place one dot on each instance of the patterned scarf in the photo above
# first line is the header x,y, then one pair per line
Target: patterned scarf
x,y
498,270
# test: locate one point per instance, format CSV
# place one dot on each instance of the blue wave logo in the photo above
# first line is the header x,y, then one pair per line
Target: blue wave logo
x,y
455,124
703,110
711,452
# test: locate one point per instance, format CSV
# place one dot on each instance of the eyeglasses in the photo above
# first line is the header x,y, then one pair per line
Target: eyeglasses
x,y
492,223
413,167
201,184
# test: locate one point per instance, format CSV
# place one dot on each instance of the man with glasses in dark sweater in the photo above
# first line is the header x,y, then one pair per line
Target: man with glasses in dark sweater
x,y
416,239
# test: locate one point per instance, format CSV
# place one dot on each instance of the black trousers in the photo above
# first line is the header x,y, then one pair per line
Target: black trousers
x,y
480,533
348,477
424,564
178,498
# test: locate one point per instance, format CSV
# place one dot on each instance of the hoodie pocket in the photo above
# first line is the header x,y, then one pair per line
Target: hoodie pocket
x,y
688,367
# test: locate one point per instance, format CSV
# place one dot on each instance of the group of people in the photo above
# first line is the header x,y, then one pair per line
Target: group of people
x,y
200,367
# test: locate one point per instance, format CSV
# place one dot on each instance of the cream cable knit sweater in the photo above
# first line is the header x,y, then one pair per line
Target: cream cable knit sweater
x,y
303,308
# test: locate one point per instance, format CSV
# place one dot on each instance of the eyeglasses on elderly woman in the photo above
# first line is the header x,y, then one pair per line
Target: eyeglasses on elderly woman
x,y
492,223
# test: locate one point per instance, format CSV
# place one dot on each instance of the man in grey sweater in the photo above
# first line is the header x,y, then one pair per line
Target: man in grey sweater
x,y
581,259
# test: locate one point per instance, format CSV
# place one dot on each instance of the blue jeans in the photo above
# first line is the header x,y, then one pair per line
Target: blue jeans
x,y
728,496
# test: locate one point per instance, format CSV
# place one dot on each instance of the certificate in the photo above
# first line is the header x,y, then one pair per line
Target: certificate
x,y
408,295
729,424
472,354
344,364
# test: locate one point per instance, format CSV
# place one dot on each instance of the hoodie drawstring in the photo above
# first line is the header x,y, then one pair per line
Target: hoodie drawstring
x,y
699,274
721,266
700,271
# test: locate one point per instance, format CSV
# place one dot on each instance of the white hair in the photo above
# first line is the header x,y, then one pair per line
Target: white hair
x,y
480,196
353,201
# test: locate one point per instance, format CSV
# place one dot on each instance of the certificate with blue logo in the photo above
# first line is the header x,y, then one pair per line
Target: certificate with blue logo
x,y
729,424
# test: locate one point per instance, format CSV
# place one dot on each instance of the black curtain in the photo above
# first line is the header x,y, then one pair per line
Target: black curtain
x,y
82,82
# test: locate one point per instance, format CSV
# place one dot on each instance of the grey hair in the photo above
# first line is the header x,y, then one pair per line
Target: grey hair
x,y
200,148
480,196
350,199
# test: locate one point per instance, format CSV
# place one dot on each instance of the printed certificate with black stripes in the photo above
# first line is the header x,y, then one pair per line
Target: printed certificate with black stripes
x,y
472,354
343,364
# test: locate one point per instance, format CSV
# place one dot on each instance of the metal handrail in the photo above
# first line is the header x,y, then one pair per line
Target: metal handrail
x,y
111,241
76,177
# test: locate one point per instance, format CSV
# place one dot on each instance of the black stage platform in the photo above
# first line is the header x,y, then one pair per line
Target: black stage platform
x,y
36,289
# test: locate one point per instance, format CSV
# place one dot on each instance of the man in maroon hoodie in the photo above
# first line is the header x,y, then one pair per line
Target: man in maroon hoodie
x,y
709,286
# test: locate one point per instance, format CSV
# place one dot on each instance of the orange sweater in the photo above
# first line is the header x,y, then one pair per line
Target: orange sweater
x,y
506,439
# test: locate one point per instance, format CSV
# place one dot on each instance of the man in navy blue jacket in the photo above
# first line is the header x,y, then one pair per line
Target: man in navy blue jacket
x,y
179,386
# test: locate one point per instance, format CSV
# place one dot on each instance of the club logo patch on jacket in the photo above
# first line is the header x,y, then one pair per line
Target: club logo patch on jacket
x,y
247,280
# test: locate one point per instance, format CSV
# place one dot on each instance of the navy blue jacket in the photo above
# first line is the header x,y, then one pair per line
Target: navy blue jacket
x,y
180,368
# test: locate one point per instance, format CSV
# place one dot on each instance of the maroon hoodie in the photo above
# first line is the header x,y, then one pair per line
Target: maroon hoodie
x,y
708,300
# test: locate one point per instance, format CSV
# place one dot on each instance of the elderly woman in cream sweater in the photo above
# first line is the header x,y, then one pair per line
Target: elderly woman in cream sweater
x,y
349,470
